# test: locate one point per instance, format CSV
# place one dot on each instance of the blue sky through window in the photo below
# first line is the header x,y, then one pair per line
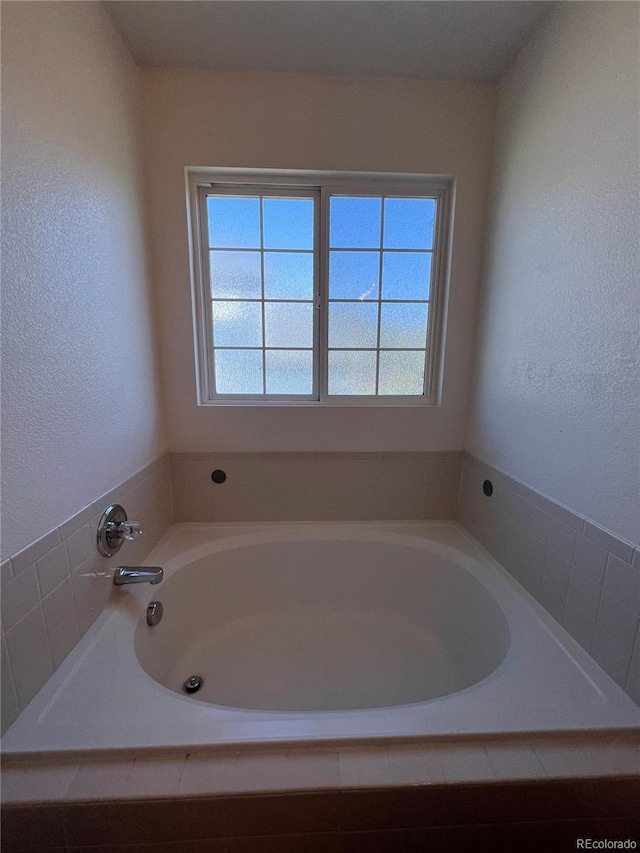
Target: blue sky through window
x,y
261,259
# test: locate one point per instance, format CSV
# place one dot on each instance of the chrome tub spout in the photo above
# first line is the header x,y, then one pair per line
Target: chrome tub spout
x,y
137,574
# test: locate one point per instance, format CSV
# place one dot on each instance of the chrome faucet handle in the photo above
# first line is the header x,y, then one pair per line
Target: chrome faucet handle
x,y
129,530
114,528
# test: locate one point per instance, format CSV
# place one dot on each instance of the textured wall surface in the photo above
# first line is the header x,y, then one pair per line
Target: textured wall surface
x,y
556,391
288,121
80,387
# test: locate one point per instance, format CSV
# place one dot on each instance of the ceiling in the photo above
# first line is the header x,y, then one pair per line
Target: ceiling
x,y
423,39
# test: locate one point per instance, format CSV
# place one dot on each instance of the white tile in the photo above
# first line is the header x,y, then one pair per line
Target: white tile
x,y
34,551
75,522
603,537
52,569
590,558
566,516
530,516
19,596
633,678
557,569
552,598
155,777
58,605
79,547
614,660
617,759
566,758
43,783
562,539
415,766
622,581
579,624
617,621
523,490
583,593
28,647
207,774
91,591
465,764
9,783
9,704
6,572
99,780
286,771
365,768
533,550
514,761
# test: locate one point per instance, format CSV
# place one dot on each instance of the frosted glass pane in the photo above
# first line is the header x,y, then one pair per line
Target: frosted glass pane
x,y
354,275
352,372
353,324
354,223
288,275
401,373
288,324
408,223
288,223
234,222
237,324
238,371
289,372
406,275
235,275
403,325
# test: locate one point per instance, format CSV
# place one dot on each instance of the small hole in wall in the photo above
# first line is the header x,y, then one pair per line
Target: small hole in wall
x,y
218,476
487,488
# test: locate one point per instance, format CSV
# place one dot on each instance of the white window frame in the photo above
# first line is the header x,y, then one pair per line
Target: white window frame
x,y
200,182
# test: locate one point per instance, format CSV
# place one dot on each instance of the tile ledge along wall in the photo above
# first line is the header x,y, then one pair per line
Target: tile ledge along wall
x,y
54,589
584,576
316,486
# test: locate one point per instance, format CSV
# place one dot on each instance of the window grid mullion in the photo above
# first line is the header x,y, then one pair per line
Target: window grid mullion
x,y
264,354
382,200
323,295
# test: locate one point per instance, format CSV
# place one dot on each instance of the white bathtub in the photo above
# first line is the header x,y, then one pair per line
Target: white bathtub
x,y
326,631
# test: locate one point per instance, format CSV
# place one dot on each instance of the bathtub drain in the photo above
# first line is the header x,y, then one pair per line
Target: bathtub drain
x,y
193,684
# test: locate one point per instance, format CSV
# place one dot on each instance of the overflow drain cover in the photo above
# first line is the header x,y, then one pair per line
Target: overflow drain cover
x,y
193,684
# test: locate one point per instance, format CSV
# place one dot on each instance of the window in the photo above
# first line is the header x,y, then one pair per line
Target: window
x,y
317,288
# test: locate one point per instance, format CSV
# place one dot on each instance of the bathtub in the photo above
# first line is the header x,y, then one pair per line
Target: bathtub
x,y
326,632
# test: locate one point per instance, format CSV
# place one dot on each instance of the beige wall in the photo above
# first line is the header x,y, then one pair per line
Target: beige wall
x,y
556,401
303,122
80,385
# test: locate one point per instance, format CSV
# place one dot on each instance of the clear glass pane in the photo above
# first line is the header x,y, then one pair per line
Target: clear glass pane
x,y
288,275
354,275
406,275
408,223
288,324
289,371
238,371
235,275
237,324
234,222
352,372
353,324
403,325
288,223
401,373
354,223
